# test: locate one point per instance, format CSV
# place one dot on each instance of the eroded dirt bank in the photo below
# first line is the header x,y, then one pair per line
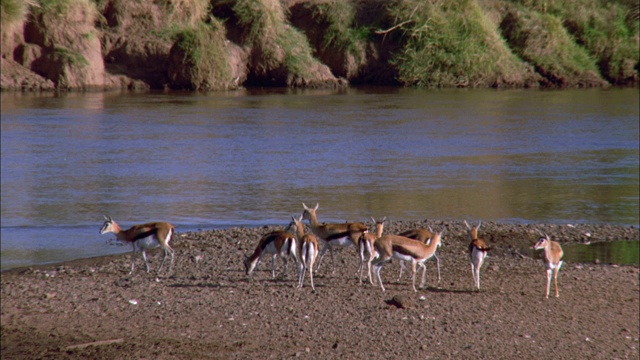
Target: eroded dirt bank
x,y
207,309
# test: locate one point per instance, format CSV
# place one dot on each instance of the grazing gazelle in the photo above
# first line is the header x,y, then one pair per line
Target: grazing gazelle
x,y
143,237
276,243
366,247
308,245
477,252
424,236
552,260
338,234
403,248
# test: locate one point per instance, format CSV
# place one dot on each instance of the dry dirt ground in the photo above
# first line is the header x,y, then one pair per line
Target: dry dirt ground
x,y
208,309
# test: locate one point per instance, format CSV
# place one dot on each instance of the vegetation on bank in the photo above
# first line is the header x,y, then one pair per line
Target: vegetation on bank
x,y
221,44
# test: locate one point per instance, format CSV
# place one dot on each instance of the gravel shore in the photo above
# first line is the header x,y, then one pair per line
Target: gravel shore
x,y
208,309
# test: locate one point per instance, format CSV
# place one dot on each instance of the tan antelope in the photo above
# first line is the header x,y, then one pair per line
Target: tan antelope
x,y
552,260
279,243
424,236
477,252
308,246
143,237
366,247
403,248
337,234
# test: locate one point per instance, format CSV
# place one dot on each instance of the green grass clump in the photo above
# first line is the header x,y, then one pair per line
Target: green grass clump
x,y
281,54
541,40
341,32
12,15
200,55
608,30
452,44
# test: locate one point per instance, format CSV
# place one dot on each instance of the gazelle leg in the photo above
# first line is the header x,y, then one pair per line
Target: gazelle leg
x,y
413,275
402,268
424,275
133,259
273,266
285,260
322,253
548,281
438,265
473,275
555,280
144,256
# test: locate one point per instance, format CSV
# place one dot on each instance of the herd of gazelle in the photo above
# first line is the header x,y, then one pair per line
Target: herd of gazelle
x,y
375,250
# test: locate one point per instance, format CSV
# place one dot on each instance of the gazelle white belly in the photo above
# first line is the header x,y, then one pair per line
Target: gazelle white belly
x,y
400,256
477,256
150,242
343,241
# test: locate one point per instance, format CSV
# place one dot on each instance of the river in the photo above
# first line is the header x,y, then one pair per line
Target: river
x,y
252,157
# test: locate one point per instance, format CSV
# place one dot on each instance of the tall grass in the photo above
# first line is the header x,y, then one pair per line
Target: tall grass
x,y
202,62
283,53
608,30
452,44
12,15
341,32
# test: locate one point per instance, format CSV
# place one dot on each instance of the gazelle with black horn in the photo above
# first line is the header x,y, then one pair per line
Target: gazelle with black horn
x,y
552,260
143,237
366,247
308,245
424,236
336,234
477,252
279,243
403,248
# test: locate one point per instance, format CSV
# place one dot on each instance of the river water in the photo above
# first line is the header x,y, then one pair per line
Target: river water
x,y
251,157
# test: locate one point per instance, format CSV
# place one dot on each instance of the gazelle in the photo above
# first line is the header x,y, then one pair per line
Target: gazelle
x,y
424,236
366,247
552,260
280,243
338,234
143,237
477,252
308,245
403,248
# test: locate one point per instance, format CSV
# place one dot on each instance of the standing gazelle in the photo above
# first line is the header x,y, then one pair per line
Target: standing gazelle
x,y
143,237
424,236
308,245
552,260
280,243
338,234
477,252
400,247
366,247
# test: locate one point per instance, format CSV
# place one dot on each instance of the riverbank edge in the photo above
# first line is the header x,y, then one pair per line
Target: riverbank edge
x,y
505,238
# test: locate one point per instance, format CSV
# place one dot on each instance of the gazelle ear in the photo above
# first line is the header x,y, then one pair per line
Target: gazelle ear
x,y
108,218
316,208
479,223
373,220
467,224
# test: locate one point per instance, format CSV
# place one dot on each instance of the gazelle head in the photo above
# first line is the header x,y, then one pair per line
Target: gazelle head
x,y
109,225
542,242
379,225
295,226
473,231
309,213
437,236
